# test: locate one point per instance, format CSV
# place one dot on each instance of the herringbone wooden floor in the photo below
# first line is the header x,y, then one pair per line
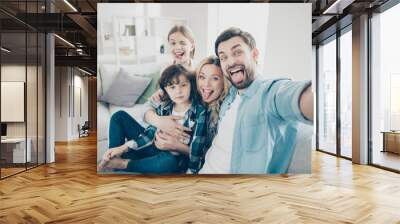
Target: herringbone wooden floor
x,y
70,191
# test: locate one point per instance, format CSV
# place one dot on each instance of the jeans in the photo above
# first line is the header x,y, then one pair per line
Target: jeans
x,y
146,160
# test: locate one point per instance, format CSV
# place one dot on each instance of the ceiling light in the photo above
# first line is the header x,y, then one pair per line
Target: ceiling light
x,y
5,50
70,5
84,71
64,40
337,7
79,51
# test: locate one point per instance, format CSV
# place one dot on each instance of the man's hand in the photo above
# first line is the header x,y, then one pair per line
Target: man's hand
x,y
307,103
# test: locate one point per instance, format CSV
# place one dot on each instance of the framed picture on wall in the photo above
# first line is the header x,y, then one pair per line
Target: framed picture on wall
x,y
248,121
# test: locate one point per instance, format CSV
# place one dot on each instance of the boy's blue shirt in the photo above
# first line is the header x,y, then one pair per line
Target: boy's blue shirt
x,y
266,125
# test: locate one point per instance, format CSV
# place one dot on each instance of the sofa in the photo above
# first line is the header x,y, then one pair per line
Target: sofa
x,y
301,161
106,75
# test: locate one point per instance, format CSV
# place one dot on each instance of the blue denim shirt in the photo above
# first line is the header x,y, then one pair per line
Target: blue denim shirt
x,y
266,125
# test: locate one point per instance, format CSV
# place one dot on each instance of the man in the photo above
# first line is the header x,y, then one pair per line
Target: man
x,y
259,118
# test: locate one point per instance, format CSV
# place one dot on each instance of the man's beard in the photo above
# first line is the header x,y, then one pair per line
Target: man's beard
x,y
247,79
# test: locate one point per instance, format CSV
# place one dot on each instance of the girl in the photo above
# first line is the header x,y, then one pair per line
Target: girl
x,y
141,155
122,125
182,46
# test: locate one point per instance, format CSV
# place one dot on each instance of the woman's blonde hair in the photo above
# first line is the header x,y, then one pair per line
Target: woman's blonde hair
x,y
185,31
215,106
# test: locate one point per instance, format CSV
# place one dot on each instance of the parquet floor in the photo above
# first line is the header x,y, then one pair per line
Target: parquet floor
x,y
70,191
387,159
9,171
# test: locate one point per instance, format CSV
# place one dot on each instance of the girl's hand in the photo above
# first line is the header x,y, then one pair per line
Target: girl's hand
x,y
169,125
156,97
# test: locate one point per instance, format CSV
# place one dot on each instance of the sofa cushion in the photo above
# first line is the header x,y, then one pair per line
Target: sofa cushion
x,y
125,89
151,89
107,75
102,147
108,72
103,117
99,86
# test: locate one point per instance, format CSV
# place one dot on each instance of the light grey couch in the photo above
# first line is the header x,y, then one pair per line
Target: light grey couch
x,y
105,110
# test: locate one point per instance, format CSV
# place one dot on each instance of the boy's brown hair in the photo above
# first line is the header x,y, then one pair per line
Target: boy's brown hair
x,y
170,76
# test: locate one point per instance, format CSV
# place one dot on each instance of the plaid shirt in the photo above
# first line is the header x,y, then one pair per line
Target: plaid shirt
x,y
196,119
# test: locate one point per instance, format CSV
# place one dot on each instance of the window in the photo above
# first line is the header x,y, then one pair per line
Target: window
x,y
346,94
385,88
394,102
22,63
327,96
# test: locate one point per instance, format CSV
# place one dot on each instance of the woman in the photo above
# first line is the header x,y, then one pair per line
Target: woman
x,y
212,87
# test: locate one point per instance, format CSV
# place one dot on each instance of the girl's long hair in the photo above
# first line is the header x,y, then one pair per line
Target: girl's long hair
x,y
187,32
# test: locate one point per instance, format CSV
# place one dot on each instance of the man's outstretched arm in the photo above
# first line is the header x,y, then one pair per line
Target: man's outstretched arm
x,y
292,100
307,103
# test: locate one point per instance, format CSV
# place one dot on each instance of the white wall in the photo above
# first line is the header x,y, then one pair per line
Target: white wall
x,y
67,121
13,73
282,33
288,43
62,80
106,13
108,10
196,16
82,83
254,18
193,13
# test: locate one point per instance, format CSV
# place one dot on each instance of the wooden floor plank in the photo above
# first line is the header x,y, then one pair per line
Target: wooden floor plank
x,y
70,191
